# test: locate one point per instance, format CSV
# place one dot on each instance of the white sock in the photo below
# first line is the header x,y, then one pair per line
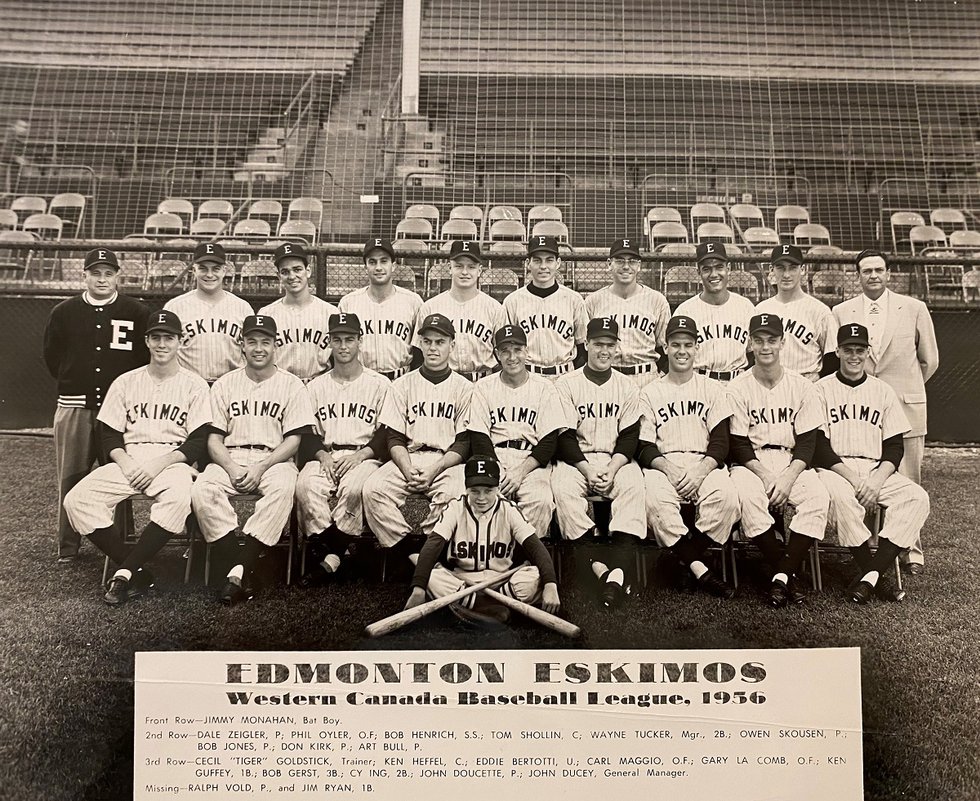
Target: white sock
x,y
871,577
331,563
781,577
123,574
236,574
698,569
599,568
616,576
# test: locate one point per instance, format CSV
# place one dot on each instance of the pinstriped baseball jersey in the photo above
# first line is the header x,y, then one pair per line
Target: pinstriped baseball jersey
x,y
678,418
302,344
858,419
211,345
147,410
809,331
598,412
642,319
723,331
429,414
389,327
347,413
774,416
529,412
259,412
553,325
482,542
475,322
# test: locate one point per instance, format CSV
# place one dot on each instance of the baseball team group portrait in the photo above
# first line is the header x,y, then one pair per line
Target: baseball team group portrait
x,y
452,325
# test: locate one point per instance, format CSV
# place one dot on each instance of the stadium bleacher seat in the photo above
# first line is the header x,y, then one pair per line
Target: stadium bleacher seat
x,y
15,265
664,233
404,277
706,213
166,273
505,212
257,275
681,281
222,209
499,282
8,220
507,230
971,285
437,279
964,239
828,285
467,212
926,236
553,228
414,228
949,220
760,238
70,208
715,232
660,214
26,205
209,226
163,223
543,212
44,226
268,210
901,223
943,280
459,229
786,218
180,206
424,211
306,208
746,215
745,283
132,275
299,229
256,228
810,234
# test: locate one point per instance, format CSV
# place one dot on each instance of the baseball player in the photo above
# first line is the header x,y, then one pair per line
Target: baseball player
x,y
89,340
260,413
858,463
777,416
301,317
683,448
552,315
522,416
481,534
723,317
346,402
154,426
641,313
809,326
212,317
595,456
426,416
387,313
474,314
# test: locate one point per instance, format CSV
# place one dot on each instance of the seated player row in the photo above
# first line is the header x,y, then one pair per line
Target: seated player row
x,y
369,443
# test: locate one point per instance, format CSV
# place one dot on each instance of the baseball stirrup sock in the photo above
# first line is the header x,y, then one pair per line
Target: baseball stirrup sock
x,y
110,543
796,551
862,555
685,550
150,542
885,555
251,552
772,549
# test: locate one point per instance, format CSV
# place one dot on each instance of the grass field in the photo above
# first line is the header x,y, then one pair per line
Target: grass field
x,y
67,696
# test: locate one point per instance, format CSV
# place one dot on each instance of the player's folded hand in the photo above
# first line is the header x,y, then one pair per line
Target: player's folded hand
x,y
550,602
511,481
327,466
250,481
416,598
867,493
779,492
345,464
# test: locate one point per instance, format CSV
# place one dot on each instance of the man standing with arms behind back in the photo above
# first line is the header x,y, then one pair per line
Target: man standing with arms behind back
x,y
904,355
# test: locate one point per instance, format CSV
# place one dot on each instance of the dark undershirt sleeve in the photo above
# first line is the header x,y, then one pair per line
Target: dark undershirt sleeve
x,y
428,557
805,445
544,451
568,450
482,445
830,364
893,449
741,449
195,447
627,440
461,445
111,439
379,444
393,438
646,452
539,557
823,453
298,431
718,442
581,357
309,446
417,359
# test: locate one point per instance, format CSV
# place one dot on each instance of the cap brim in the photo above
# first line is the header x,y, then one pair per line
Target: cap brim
x,y
343,330
681,332
511,341
482,481
766,330
437,330
470,256
786,260
620,253
852,341
165,330
552,251
102,264
266,331
211,258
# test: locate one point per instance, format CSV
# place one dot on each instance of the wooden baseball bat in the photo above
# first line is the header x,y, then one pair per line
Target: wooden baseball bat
x,y
406,616
546,619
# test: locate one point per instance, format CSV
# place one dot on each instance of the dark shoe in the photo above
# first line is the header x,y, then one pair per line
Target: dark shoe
x,y
235,594
67,559
886,590
797,591
317,576
778,594
713,585
913,568
612,595
141,583
862,592
116,592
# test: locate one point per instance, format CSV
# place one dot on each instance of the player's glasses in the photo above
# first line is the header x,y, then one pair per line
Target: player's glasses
x,y
626,262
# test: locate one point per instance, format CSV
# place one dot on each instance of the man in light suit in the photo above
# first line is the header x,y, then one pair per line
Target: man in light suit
x,y
904,355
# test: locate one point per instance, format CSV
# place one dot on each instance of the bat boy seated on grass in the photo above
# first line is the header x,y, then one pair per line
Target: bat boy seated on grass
x,y
478,535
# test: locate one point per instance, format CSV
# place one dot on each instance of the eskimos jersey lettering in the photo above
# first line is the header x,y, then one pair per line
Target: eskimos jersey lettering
x,y
389,327
529,412
723,331
429,415
211,344
678,418
482,542
642,319
859,418
475,322
348,413
302,344
810,331
598,412
553,324
774,416
259,412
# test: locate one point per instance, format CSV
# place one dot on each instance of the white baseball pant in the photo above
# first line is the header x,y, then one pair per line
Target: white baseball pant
x,y
534,497
524,585
716,503
386,491
213,489
314,491
906,503
627,496
91,502
808,496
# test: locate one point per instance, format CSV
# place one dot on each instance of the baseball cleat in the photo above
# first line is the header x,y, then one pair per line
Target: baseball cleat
x,y
913,568
713,585
797,592
778,594
67,559
612,595
141,583
490,616
116,592
234,594
886,590
863,592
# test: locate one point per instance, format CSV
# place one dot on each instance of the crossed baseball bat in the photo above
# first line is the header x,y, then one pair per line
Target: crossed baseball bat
x,y
406,616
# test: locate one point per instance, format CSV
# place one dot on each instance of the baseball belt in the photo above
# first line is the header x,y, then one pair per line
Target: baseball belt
x,y
425,449
475,376
558,369
775,448
516,444
636,369
391,375
251,447
345,447
721,375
